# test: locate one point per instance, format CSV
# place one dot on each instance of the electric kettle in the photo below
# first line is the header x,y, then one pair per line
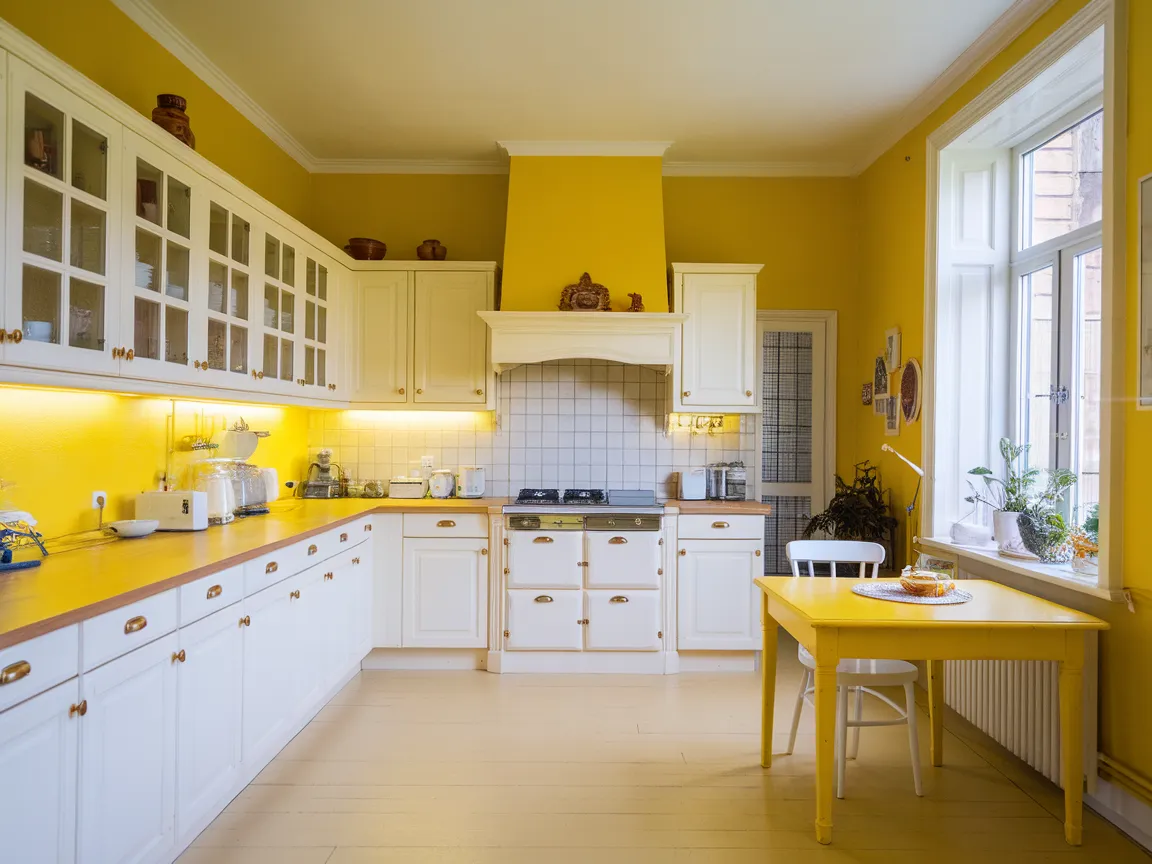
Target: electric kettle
x,y
442,484
470,483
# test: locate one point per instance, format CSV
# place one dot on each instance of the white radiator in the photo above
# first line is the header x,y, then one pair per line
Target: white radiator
x,y
1017,704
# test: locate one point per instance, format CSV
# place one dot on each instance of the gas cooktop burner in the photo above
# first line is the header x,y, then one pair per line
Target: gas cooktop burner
x,y
538,496
585,496
571,496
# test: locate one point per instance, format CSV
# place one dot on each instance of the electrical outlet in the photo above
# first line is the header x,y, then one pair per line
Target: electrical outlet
x,y
99,499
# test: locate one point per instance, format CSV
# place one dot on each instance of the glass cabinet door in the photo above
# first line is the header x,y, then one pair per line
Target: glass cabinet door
x,y
318,371
280,327
64,186
231,277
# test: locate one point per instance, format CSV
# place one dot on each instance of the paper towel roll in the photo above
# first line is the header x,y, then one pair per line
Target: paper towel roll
x,y
271,483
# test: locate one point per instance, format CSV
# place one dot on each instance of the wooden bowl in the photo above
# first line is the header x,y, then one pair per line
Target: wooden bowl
x,y
366,249
925,583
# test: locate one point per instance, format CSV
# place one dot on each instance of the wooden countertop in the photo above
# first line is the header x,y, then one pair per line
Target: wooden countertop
x,y
720,508
76,585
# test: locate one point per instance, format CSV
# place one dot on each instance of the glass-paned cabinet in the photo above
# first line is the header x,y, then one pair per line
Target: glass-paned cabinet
x,y
318,366
280,325
63,192
233,273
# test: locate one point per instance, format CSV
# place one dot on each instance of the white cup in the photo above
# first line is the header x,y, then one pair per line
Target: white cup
x,y
38,331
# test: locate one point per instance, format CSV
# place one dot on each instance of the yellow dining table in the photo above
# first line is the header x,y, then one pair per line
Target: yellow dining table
x,y
998,623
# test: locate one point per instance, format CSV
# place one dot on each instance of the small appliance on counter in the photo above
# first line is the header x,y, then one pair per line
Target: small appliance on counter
x,y
248,489
175,511
407,487
213,478
470,482
737,481
321,482
718,481
693,484
442,484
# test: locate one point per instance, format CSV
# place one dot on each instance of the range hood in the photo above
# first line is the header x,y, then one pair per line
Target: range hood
x,y
644,338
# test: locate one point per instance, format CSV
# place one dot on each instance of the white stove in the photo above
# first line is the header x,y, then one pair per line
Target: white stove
x,y
542,507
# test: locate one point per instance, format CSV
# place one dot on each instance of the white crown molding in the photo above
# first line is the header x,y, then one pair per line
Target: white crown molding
x,y
1015,20
585,148
757,169
407,166
182,48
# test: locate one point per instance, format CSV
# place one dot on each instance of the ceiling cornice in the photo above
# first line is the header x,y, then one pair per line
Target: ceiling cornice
x,y
1016,19
165,32
757,169
408,166
585,148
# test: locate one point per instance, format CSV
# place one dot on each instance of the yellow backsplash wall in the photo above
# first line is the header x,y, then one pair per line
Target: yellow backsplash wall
x,y
59,446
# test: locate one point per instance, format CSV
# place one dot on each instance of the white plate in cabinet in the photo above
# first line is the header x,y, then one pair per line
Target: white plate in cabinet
x,y
629,559
445,525
544,620
545,559
450,355
39,744
122,630
209,689
717,608
623,620
266,620
445,593
128,757
697,527
39,664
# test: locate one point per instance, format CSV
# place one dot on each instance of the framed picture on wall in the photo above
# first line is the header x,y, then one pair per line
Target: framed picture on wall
x,y
866,394
880,378
892,415
878,405
892,349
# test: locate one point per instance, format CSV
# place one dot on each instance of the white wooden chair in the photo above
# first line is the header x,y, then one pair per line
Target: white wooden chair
x,y
854,675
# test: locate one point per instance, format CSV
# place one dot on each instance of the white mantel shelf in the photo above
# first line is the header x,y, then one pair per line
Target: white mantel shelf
x,y
647,338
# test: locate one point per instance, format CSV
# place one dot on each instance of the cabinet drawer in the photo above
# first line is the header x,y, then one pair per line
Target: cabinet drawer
x,y
445,525
268,569
623,621
115,633
544,620
630,559
545,559
205,596
38,664
722,527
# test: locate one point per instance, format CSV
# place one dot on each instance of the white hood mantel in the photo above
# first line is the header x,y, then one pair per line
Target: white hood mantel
x,y
645,338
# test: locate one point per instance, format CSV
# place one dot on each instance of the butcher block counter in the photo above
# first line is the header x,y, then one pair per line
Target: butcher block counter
x,y
76,585
717,508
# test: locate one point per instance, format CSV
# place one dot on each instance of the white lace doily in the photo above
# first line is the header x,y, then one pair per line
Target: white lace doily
x,y
893,591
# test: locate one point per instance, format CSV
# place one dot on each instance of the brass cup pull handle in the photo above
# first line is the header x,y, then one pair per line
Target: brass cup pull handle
x,y
215,591
246,621
619,598
328,577
295,595
446,523
14,672
543,598
312,550
343,538
543,540
720,525
135,625
179,656
355,560
80,709
4,335
271,567
618,541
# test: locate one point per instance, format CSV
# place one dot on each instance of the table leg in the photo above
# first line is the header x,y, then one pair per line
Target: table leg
x,y
1072,735
767,681
825,685
936,709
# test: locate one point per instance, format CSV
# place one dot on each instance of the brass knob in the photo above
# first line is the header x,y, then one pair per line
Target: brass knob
x,y
15,671
253,373
683,552
215,591
368,527
271,567
401,391
687,393
131,355
418,391
328,577
196,363
331,386
260,376
115,351
355,561
295,595
4,335
203,365
343,538
659,571
483,551
757,553
17,336
747,392
506,571
300,381
80,709
179,656
135,625
312,550
479,392
246,621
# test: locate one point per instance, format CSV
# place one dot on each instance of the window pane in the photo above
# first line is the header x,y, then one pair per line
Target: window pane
x,y
43,221
310,277
271,256
41,305
149,189
238,350
309,319
1066,182
289,269
43,136
287,312
1086,270
179,208
322,324
176,284
309,365
218,229
271,306
239,240
217,282
175,335
238,306
147,260
217,344
285,359
86,315
89,160
271,343
786,430
323,283
321,368
146,329
1039,309
87,239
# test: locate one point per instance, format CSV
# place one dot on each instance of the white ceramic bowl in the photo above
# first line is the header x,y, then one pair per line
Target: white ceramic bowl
x,y
133,527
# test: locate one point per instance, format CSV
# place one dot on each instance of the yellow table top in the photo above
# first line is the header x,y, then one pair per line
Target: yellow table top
x,y
826,602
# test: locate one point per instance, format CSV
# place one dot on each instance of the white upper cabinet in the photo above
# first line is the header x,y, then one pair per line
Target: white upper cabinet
x,y
450,360
281,350
717,368
63,194
383,301
321,338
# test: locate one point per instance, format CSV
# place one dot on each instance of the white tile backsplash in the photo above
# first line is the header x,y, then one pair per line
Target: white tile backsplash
x,y
565,423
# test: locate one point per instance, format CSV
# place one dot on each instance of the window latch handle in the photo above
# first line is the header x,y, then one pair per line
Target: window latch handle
x,y
1059,395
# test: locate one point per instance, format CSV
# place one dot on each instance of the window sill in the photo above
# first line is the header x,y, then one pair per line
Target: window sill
x,y
1054,574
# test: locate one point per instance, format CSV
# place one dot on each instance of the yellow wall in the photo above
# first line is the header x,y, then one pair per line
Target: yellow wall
x,y
99,40
465,212
58,447
892,266
573,214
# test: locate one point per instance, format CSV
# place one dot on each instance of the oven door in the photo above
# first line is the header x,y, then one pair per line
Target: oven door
x,y
545,620
545,559
624,559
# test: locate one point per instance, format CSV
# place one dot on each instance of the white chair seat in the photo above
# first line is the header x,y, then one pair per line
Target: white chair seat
x,y
873,673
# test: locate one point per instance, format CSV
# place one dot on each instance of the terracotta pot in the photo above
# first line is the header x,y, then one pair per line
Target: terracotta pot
x,y
440,253
169,115
366,249
427,250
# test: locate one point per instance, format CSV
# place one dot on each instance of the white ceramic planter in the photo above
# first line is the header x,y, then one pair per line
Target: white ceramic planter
x,y
1006,529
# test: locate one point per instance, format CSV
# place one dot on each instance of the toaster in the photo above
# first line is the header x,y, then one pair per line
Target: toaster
x,y
407,487
693,484
175,511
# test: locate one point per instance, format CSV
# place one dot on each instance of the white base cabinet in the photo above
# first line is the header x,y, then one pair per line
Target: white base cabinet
x,y
269,673
445,593
39,742
718,608
544,620
623,620
128,757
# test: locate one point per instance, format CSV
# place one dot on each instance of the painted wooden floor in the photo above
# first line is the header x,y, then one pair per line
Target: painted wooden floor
x,y
454,767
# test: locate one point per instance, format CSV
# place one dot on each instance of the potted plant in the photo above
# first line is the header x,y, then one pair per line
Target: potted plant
x,y
858,511
1011,496
1085,543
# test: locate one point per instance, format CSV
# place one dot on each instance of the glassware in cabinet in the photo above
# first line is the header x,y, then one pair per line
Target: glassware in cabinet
x,y
279,339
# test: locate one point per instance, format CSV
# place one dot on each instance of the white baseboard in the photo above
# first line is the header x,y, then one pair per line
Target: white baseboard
x,y
426,659
718,661
597,662
1125,811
